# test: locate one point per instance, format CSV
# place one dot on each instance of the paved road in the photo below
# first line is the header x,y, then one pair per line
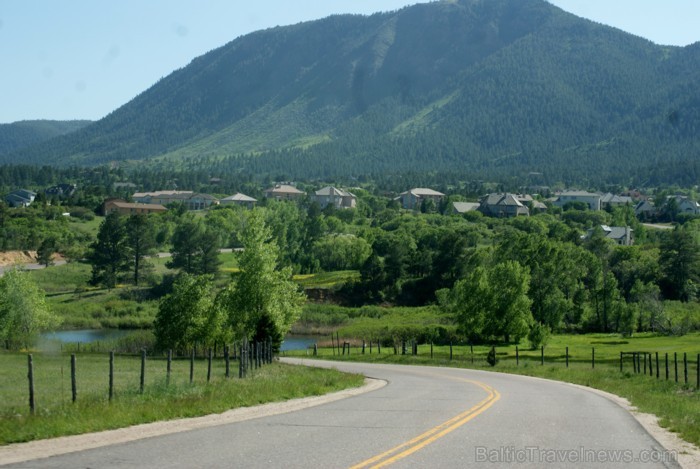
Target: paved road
x,y
424,417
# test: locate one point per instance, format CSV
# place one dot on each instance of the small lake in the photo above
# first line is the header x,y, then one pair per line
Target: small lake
x,y
85,336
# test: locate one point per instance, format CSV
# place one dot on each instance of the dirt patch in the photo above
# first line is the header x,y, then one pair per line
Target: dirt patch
x,y
17,257
9,258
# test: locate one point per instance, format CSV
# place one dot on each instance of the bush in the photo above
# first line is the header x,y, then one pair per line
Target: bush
x,y
539,335
491,358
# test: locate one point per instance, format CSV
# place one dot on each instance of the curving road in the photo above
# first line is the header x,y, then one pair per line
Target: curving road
x,y
423,417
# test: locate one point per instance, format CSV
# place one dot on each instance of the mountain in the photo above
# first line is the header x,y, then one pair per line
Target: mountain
x,y
490,88
22,134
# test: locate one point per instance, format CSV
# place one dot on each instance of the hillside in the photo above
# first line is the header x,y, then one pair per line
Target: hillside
x,y
496,88
22,134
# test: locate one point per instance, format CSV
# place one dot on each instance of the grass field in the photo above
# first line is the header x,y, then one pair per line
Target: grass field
x,y
57,415
677,404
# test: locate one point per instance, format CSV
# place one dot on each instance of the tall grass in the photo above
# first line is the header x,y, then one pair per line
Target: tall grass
x,y
57,415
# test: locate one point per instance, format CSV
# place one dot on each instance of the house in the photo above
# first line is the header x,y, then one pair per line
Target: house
x,y
531,203
127,208
61,190
284,192
622,235
414,198
611,200
645,209
464,207
687,205
239,199
191,200
336,197
588,198
503,206
20,198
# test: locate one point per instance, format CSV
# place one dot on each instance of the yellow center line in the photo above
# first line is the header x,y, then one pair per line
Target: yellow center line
x,y
409,447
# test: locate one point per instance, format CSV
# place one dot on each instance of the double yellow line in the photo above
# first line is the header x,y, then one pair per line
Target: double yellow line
x,y
424,439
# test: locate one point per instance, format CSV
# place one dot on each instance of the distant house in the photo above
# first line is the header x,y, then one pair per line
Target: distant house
x,y
412,199
61,190
503,206
611,200
239,199
284,192
687,205
20,198
128,208
622,235
590,199
464,207
645,209
336,197
191,200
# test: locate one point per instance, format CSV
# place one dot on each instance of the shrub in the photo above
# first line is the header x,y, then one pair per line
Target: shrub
x,y
539,335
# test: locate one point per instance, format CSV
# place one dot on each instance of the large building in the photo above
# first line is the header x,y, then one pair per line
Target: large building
x,y
189,199
412,199
284,192
129,208
336,197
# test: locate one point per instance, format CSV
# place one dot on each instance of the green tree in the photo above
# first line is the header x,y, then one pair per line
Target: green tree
x,y
109,254
140,238
195,248
189,316
46,251
23,310
261,293
679,259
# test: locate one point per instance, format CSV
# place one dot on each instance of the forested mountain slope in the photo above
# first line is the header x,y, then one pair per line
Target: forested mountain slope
x,y
22,134
495,88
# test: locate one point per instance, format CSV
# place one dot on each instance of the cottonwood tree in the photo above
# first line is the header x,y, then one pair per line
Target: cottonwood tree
x,y
262,301
189,316
23,310
195,249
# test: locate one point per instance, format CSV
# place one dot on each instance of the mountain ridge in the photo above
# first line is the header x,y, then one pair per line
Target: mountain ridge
x,y
434,86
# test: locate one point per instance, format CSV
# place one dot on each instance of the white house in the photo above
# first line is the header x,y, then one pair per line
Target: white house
x,y
412,199
284,192
590,199
239,199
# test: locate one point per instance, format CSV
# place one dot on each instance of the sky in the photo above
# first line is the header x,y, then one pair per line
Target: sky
x,y
82,59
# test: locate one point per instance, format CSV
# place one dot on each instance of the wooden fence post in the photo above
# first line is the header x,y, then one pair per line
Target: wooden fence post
x,y
431,349
192,366
379,346
685,367
697,372
645,363
542,355
567,357
675,365
111,375
471,351
450,350
227,357
657,365
209,357
142,383
30,376
666,366
517,356
73,384
592,357
169,367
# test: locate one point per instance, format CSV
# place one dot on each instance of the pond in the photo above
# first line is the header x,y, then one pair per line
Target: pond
x,y
84,336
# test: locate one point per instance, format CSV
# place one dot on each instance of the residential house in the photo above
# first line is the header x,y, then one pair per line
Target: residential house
x,y
588,198
464,207
191,200
239,199
622,235
687,205
503,206
128,208
531,203
645,209
284,192
336,197
61,190
414,198
20,198
611,200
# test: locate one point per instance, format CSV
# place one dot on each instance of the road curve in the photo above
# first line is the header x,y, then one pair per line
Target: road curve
x,y
424,417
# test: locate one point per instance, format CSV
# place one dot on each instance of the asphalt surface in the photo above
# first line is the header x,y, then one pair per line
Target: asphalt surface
x,y
424,417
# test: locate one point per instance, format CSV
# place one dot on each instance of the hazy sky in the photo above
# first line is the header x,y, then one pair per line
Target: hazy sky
x,y
82,59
